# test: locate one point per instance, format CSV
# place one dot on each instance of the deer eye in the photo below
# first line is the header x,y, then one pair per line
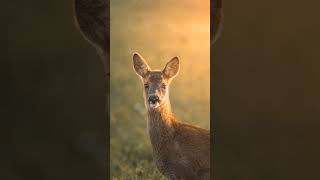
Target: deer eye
x,y
146,85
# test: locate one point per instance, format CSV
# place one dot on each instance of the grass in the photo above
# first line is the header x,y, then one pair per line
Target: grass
x,y
158,31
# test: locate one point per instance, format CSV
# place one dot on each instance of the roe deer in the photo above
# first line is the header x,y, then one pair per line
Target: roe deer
x,y
180,151
92,19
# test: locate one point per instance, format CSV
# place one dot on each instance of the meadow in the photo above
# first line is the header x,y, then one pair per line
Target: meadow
x,y
158,31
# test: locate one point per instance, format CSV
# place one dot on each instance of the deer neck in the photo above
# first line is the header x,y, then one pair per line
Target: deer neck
x,y
160,123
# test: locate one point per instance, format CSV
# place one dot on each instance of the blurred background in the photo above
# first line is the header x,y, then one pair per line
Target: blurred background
x,y
266,74
52,114
158,30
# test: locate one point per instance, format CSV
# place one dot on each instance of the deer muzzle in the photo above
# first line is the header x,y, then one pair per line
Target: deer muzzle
x,y
153,99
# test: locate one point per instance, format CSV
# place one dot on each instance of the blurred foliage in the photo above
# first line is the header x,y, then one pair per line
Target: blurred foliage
x,y
158,31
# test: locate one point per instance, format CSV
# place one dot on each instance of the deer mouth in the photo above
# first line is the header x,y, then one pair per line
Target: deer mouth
x,y
154,104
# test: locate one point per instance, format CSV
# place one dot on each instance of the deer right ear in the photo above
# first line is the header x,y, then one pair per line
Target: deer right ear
x,y
172,68
140,65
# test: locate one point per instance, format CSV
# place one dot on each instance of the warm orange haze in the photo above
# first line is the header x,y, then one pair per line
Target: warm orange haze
x,y
159,31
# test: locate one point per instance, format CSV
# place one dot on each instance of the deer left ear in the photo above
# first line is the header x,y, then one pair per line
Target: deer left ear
x,y
140,65
172,68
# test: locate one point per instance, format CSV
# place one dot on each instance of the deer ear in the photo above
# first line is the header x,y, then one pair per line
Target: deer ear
x,y
140,65
172,68
92,20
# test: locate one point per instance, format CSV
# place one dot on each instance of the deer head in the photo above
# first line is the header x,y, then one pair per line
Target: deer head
x,y
156,82
92,20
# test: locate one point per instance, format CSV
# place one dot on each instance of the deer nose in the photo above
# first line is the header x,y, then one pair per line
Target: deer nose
x,y
153,99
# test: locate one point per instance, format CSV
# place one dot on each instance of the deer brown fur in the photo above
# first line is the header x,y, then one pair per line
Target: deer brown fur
x,y
180,151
